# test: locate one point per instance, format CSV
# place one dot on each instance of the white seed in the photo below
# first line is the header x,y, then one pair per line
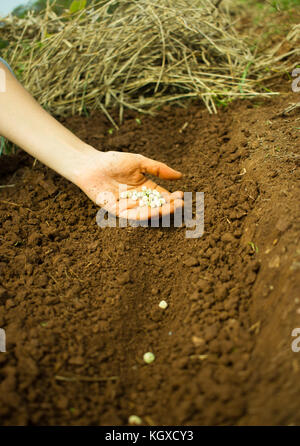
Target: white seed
x,y
146,197
134,419
149,357
163,304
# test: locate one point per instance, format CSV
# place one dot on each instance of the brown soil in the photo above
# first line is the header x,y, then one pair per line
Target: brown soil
x,y
77,326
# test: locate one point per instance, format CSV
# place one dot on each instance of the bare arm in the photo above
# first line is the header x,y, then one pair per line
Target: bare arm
x,y
24,122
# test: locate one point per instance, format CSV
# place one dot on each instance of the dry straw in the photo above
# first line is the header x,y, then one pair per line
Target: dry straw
x,y
138,54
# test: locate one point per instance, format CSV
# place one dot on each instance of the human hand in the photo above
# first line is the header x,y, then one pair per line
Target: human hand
x,y
103,174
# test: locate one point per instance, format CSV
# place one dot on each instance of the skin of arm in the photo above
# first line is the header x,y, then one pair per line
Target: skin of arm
x,y
24,122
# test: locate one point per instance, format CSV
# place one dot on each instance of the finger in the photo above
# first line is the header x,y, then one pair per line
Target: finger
x,y
126,203
140,213
170,208
177,194
159,169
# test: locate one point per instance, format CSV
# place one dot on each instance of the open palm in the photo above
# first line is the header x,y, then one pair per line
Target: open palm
x,y
108,173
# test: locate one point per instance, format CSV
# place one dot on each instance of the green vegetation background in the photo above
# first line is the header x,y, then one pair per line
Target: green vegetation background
x,y
60,5
57,5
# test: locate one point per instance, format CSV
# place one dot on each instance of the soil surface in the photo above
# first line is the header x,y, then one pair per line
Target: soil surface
x,y
79,303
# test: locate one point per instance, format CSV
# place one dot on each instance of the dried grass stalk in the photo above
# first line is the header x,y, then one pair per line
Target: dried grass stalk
x,y
138,54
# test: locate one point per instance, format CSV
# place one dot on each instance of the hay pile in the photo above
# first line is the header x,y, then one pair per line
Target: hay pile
x,y
138,54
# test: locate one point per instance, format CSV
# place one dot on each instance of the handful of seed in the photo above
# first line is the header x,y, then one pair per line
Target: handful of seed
x,y
146,197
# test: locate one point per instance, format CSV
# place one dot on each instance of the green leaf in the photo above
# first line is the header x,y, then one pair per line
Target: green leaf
x,y
77,5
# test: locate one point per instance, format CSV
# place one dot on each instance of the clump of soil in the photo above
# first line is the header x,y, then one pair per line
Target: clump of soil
x,y
79,303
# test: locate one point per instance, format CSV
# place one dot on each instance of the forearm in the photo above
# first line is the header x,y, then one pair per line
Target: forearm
x,y
24,122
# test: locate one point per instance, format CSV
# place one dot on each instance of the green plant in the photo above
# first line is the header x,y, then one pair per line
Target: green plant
x,y
221,101
77,5
3,44
6,147
253,247
273,5
281,5
244,76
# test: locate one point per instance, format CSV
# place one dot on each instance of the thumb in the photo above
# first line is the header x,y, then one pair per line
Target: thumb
x,y
159,169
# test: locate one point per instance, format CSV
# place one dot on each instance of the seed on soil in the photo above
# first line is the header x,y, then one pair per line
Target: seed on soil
x,y
145,197
124,278
191,261
197,341
149,357
163,304
134,420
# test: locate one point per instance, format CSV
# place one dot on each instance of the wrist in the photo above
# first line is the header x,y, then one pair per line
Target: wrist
x,y
84,159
